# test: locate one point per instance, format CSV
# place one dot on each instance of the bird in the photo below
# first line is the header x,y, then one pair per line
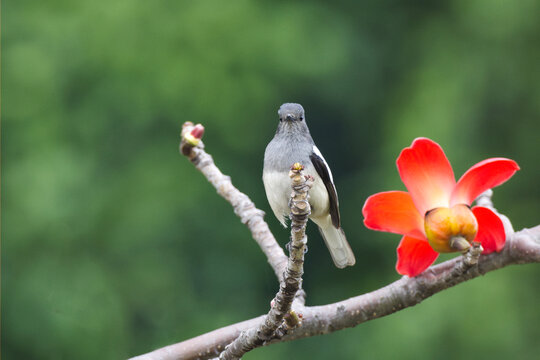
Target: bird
x,y
293,143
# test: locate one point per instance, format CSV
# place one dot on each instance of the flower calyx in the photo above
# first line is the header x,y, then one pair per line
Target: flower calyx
x,y
450,229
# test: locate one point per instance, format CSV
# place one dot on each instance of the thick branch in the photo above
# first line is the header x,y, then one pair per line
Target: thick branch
x,y
243,207
521,247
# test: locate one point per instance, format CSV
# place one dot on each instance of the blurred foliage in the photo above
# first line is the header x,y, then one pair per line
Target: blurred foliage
x,y
113,244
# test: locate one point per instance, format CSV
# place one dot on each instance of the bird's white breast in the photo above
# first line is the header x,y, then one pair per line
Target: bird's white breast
x,y
278,191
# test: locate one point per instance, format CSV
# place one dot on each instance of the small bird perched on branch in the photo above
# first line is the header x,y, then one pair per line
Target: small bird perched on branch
x,y
292,143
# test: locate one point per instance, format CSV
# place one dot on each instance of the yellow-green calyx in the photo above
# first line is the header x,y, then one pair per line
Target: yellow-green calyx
x,y
450,229
192,140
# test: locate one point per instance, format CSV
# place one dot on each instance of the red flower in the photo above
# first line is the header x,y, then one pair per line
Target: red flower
x,y
427,174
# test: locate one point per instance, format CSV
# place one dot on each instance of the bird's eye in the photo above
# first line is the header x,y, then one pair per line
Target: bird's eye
x,y
280,119
301,118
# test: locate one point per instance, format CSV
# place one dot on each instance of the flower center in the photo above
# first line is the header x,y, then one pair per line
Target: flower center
x,y
450,229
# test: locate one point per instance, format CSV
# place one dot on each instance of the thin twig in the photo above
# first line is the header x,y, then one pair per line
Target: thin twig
x,y
243,207
281,305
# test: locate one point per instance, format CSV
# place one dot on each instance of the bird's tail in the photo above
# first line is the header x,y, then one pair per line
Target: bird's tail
x,y
336,242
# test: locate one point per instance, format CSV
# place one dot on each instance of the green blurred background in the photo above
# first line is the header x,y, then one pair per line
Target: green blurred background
x,y
114,245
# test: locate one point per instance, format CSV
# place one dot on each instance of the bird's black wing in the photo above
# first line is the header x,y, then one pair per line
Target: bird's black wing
x,y
324,172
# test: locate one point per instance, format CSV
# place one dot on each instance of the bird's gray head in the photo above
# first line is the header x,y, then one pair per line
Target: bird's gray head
x,y
291,112
292,119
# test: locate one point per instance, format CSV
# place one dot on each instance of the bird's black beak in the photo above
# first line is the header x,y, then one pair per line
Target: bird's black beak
x,y
289,117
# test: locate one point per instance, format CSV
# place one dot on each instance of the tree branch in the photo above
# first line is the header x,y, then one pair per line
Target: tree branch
x,y
521,247
243,207
281,305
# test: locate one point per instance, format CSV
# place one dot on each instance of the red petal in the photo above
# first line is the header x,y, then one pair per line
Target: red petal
x,y
482,176
427,174
394,212
414,256
490,230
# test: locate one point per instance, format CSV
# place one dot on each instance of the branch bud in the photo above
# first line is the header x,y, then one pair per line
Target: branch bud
x,y
194,136
292,319
297,166
190,137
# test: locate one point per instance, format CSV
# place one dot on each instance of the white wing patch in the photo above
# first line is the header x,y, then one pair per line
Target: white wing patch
x,y
318,153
